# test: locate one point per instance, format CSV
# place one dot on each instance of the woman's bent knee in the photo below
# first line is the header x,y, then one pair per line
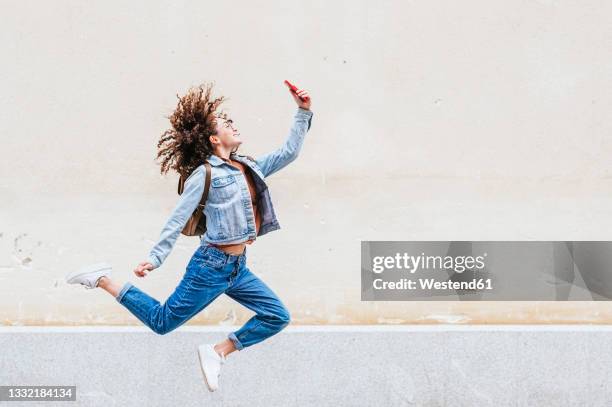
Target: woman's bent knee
x,y
285,318
162,329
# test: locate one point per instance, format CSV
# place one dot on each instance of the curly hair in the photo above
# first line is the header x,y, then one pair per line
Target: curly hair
x,y
186,145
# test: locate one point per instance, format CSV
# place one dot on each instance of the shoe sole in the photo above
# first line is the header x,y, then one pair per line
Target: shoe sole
x,y
203,373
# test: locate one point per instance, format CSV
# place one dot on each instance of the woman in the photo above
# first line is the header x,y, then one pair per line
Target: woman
x,y
238,210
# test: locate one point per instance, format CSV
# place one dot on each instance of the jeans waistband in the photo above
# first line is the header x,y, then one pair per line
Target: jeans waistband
x,y
228,258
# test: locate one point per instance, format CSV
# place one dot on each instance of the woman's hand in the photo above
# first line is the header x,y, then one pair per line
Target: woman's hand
x,y
143,269
304,104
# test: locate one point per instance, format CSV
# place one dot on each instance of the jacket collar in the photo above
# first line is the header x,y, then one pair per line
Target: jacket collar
x,y
216,160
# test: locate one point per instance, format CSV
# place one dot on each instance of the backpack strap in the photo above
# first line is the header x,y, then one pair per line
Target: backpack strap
x,y
181,184
206,185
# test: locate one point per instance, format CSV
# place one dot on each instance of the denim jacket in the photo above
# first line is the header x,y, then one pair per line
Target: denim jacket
x,y
228,210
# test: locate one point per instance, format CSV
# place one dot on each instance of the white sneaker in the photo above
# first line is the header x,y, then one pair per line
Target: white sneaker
x,y
210,362
89,275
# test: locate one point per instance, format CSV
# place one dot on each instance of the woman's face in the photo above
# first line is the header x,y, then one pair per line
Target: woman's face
x,y
227,133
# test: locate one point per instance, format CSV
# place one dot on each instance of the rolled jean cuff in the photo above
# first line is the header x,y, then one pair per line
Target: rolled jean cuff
x,y
126,287
233,338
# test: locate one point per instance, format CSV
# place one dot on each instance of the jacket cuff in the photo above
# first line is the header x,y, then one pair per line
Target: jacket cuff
x,y
303,113
153,261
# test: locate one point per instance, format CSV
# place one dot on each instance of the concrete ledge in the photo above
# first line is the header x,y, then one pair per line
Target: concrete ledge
x,y
441,365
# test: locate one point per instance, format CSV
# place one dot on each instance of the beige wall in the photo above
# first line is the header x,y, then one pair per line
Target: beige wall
x,y
475,120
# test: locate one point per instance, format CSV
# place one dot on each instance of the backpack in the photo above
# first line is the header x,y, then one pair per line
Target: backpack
x,y
196,224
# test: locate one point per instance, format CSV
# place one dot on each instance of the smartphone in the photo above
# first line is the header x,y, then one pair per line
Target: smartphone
x,y
294,89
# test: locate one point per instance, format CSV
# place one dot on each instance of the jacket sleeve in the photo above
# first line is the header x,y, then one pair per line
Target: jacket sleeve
x,y
278,159
184,208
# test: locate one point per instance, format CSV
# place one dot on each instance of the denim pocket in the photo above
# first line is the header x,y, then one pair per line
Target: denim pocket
x,y
223,181
224,187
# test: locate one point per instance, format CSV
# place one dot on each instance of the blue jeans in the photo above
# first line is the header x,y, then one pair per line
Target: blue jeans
x,y
210,273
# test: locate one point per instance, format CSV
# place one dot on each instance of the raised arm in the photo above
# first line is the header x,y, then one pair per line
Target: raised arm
x,y
281,157
184,208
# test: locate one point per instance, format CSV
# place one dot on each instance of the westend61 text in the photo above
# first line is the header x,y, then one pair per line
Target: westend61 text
x,y
431,284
